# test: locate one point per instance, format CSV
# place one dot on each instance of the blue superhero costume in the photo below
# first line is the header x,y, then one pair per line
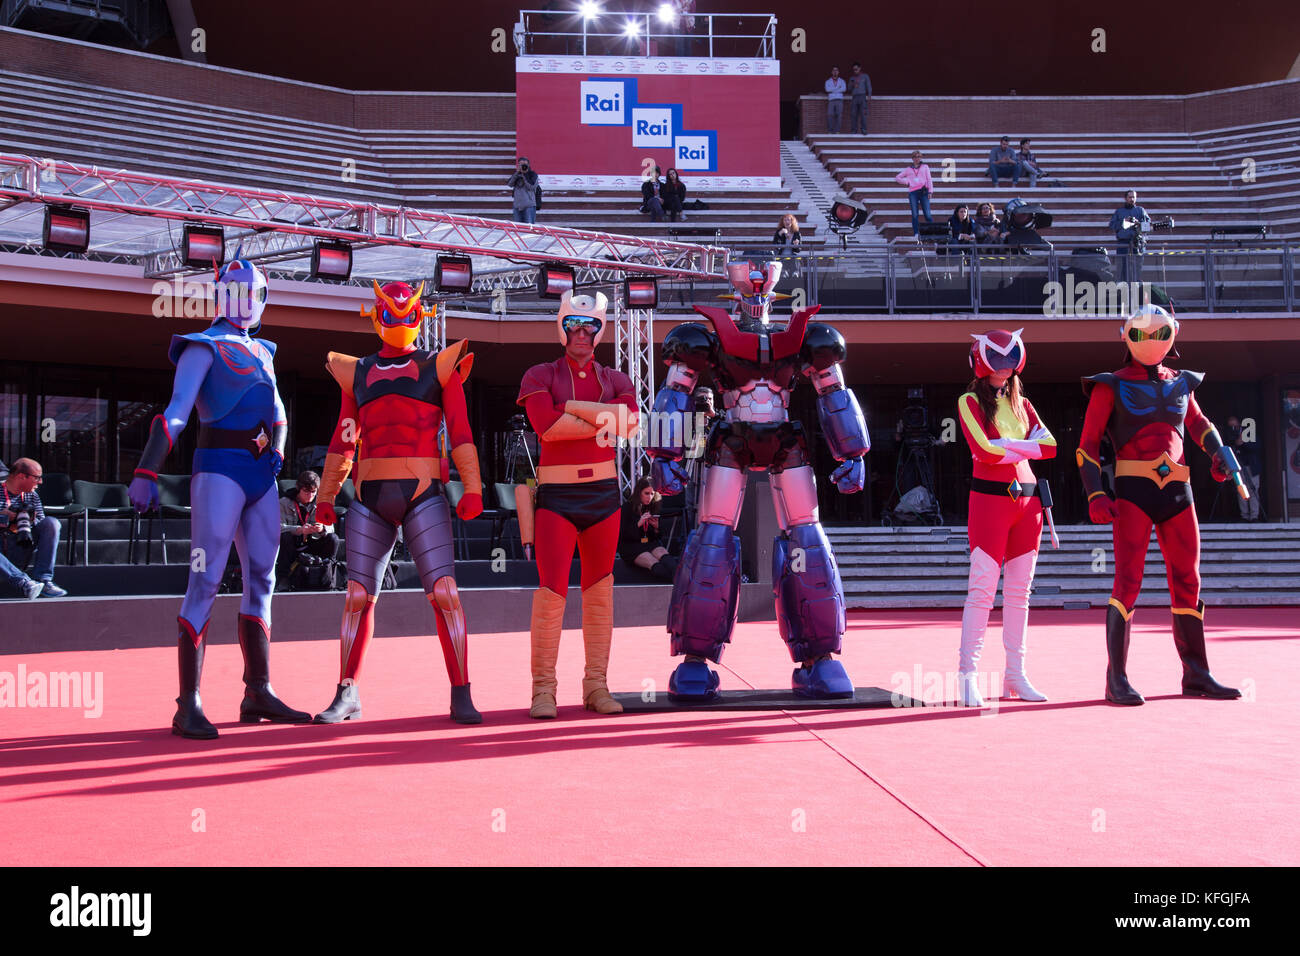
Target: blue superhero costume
x,y
228,377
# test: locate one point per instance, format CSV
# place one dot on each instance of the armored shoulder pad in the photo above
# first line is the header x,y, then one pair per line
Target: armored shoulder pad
x,y
343,368
1193,379
823,346
1101,378
691,343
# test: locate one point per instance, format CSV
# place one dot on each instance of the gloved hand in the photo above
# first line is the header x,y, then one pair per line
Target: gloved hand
x,y
1219,466
667,477
277,462
1101,510
143,494
325,513
470,506
1010,456
1023,447
850,476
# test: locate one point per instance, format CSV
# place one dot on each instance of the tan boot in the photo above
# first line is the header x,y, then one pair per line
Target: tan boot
x,y
597,634
548,619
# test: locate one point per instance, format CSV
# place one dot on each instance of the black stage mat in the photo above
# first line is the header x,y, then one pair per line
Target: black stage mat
x,y
863,697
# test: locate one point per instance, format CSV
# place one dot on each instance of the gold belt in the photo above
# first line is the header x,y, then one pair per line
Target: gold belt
x,y
576,474
1162,470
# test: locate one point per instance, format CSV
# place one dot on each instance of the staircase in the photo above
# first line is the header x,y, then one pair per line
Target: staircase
x,y
815,189
928,567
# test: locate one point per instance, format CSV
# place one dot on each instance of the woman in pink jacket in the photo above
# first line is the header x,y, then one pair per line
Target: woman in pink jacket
x,y
919,187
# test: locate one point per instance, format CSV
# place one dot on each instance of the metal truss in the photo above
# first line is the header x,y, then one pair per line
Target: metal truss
x,y
634,344
137,201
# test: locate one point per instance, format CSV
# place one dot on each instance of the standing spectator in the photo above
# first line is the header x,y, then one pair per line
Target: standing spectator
x,y
859,89
300,532
1127,222
919,187
673,196
1026,163
26,528
988,228
786,236
652,200
524,186
961,228
1002,161
834,101
1247,453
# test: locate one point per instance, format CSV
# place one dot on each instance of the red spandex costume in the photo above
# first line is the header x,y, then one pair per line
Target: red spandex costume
x,y
578,409
1148,410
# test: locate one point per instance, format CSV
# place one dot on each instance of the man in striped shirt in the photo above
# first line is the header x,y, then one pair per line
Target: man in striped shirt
x,y
24,526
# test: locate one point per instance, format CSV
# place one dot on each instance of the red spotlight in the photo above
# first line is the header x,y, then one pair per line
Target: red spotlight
x,y
202,245
453,274
640,292
553,280
67,229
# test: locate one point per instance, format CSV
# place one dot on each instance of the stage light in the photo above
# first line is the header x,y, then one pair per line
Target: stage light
x,y
640,292
453,274
589,10
667,13
67,229
201,246
553,280
847,213
632,29
331,260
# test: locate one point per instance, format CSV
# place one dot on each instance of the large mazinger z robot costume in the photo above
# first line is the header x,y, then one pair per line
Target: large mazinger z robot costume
x,y
755,364
393,404
1148,410
228,376
579,410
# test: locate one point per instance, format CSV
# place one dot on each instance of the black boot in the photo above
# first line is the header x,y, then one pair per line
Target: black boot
x,y
662,571
189,720
1189,638
260,702
345,706
462,707
1118,689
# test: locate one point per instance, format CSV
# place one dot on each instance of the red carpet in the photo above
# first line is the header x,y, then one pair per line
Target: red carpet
x,y
1072,781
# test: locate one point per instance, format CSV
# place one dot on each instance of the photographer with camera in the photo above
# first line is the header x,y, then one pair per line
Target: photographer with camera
x,y
26,532
523,184
301,535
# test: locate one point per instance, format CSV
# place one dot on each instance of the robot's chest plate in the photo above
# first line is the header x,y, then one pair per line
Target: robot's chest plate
x,y
414,377
1139,403
756,391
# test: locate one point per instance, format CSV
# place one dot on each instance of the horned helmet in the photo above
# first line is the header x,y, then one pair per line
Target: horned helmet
x,y
997,351
397,313
241,293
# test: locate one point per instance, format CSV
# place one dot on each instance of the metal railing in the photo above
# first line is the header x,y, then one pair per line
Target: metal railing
x,y
543,32
1225,277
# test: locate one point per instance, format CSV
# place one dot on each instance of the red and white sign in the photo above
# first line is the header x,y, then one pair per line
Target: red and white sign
x,y
604,122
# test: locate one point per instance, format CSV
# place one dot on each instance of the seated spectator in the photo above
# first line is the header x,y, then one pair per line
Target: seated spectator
x,y
1027,164
27,534
652,197
786,237
919,187
673,196
961,228
638,535
988,228
300,532
1002,161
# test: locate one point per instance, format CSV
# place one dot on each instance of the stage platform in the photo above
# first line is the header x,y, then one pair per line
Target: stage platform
x,y
1071,781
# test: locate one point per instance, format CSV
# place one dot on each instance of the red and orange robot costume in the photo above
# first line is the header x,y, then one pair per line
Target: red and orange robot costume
x,y
393,404
577,407
1006,511
1147,409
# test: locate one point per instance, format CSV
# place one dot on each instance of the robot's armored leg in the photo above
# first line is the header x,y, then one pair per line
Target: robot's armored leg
x,y
806,583
706,593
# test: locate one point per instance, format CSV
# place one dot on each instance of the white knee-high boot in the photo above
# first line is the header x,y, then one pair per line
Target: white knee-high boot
x,y
983,585
1015,625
